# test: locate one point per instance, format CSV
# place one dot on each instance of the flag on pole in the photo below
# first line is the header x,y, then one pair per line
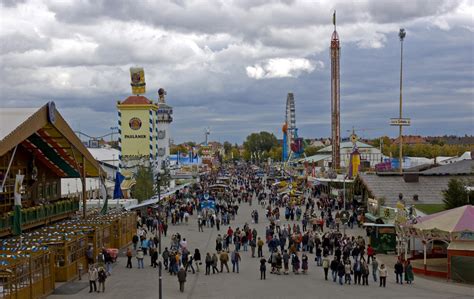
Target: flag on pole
x,y
17,211
103,194
118,182
334,18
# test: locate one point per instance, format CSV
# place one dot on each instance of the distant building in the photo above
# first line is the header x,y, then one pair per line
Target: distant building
x,y
368,154
423,187
411,140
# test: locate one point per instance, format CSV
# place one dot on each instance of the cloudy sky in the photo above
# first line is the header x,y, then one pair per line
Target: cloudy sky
x,y
230,64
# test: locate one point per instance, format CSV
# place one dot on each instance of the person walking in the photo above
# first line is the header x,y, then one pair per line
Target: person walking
x,y
263,268
409,277
166,257
189,264
135,242
197,258
399,271
347,272
140,256
383,275
260,244
92,278
235,258
286,262
340,271
214,264
375,267
357,271
334,268
208,262
224,259
154,257
365,273
370,253
129,258
326,263
253,244
102,276
295,262
304,263
181,278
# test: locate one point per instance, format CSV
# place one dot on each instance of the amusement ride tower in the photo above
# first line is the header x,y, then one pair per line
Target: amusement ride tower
x,y
290,120
335,98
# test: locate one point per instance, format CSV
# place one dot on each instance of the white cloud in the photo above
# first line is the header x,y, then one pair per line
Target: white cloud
x,y
282,67
203,53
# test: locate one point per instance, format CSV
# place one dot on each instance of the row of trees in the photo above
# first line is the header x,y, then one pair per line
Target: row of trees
x,y
427,150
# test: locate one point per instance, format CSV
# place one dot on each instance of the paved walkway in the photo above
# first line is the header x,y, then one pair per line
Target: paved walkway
x,y
143,283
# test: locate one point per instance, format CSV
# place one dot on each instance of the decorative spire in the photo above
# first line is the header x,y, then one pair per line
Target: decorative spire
x,y
334,19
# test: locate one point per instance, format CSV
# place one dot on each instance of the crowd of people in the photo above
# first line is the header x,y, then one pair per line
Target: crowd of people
x,y
303,232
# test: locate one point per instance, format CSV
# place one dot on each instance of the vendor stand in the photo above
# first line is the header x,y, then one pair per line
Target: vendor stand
x,y
455,227
26,273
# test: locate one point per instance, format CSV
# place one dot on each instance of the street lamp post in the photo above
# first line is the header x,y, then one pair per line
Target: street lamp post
x,y
160,265
402,35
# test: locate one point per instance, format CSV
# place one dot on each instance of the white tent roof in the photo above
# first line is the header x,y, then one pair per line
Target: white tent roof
x,y
155,199
11,118
106,154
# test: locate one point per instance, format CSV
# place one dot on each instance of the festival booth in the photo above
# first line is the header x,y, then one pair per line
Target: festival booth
x,y
116,229
37,150
26,272
453,227
65,241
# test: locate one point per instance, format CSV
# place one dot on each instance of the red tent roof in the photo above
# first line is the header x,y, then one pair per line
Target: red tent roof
x,y
136,100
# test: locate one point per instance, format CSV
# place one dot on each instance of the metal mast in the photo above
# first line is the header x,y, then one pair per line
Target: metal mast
x,y
402,35
335,98
290,119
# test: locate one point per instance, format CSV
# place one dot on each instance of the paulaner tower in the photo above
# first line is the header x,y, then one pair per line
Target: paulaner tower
x,y
335,97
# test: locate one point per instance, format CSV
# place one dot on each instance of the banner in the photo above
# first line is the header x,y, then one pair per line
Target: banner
x,y
17,208
18,183
103,194
118,182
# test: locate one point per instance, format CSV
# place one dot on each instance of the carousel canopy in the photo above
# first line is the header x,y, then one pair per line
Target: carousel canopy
x,y
454,220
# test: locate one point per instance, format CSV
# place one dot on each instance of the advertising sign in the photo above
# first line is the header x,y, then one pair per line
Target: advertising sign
x,y
137,76
400,121
135,134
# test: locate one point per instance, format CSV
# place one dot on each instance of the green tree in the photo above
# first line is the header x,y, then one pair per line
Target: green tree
x,y
227,147
144,184
260,142
457,195
276,153
235,153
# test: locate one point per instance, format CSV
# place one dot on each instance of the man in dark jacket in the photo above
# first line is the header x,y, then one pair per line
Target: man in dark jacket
x,y
340,271
399,271
334,264
181,278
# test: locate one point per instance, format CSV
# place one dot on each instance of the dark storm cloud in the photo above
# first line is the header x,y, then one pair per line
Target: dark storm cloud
x,y
78,53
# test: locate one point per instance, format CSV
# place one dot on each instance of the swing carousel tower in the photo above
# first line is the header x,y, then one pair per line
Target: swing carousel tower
x,y
335,98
